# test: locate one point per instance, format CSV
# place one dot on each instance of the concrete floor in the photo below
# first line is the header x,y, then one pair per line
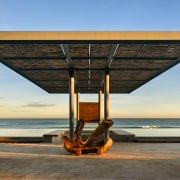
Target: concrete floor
x,y
123,161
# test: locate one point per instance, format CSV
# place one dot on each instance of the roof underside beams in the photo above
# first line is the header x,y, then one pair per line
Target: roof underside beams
x,y
130,63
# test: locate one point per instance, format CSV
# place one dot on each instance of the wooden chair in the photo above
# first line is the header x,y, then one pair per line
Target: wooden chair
x,y
78,147
89,112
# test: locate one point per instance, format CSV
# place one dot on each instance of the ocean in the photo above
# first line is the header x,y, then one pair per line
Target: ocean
x,y
63,123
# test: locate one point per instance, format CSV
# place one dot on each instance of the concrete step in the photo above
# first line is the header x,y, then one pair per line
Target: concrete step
x,y
48,137
116,135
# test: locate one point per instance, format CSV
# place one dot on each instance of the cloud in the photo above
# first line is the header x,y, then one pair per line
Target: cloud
x,y
38,104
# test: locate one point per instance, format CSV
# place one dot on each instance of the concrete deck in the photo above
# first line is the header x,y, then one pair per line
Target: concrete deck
x,y
132,161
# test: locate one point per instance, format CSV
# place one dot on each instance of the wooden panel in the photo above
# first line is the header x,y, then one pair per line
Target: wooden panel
x,y
131,63
126,50
96,74
83,83
30,50
121,63
161,50
30,63
57,63
82,75
98,63
57,90
89,112
45,75
52,50
7,51
79,50
131,75
120,90
88,90
124,84
81,63
26,50
54,84
100,49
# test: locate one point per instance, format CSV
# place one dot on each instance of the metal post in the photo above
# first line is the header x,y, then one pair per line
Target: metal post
x,y
100,102
78,97
71,103
106,100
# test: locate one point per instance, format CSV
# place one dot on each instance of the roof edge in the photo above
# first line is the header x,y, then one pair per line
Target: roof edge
x,y
89,35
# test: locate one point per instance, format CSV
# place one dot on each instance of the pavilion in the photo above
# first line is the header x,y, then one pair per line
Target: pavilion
x,y
89,61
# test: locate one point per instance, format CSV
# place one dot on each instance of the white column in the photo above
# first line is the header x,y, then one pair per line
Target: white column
x,y
78,98
106,100
100,102
71,104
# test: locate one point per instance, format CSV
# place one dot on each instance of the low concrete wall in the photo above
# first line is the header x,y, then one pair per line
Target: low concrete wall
x,y
21,139
116,135
49,137
158,139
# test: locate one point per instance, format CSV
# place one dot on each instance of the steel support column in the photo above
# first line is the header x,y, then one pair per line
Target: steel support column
x,y
100,102
77,101
106,100
71,104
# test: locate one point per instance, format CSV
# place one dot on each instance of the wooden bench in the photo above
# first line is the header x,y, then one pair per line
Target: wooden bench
x,y
78,147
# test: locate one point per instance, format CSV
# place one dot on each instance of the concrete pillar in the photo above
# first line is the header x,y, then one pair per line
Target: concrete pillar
x,y
78,98
71,104
100,102
106,100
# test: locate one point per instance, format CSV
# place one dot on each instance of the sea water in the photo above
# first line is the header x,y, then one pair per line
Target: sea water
x,y
139,126
63,123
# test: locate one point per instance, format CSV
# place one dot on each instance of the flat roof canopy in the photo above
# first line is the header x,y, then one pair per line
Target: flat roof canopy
x,y
132,58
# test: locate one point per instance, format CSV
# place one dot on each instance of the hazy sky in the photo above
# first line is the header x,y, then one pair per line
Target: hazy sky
x,y
158,98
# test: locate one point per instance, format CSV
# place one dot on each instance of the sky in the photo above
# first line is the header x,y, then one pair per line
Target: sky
x,y
159,98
